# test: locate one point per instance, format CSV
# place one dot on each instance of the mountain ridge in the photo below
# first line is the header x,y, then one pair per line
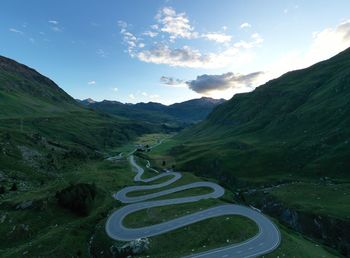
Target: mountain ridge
x,y
188,112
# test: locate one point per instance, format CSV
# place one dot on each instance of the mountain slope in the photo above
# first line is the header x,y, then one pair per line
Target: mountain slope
x,y
37,118
49,142
298,124
186,112
23,91
193,110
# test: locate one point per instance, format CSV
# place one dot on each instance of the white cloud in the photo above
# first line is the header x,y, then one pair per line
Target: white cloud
x,y
100,52
187,56
144,94
257,38
91,82
151,34
177,25
171,26
129,39
217,37
131,96
53,22
115,89
55,26
245,25
122,24
163,54
324,45
16,31
155,27
94,24
56,29
154,96
329,42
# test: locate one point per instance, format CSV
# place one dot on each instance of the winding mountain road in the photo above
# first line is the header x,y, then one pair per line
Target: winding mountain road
x,y
267,239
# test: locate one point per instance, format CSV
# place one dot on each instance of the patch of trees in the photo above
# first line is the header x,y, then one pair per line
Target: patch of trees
x,y
14,187
2,189
77,198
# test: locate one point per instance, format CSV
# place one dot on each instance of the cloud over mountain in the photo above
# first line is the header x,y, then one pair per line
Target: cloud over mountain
x,y
206,83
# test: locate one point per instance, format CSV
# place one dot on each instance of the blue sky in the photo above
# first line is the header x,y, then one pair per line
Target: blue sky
x,y
170,51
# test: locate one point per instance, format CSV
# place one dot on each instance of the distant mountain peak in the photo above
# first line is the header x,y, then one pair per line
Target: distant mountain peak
x,y
189,111
90,100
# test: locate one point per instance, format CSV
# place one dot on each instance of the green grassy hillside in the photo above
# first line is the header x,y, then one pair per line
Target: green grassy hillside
x,y
33,104
285,148
298,124
43,129
47,142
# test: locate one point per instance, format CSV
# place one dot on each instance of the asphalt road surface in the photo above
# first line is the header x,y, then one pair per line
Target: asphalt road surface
x,y
267,239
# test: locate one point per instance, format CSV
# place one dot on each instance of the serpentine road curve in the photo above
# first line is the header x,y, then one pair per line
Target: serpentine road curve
x,y
267,239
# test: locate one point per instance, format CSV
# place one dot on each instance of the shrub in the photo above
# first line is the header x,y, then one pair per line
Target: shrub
x,y
14,187
77,198
2,189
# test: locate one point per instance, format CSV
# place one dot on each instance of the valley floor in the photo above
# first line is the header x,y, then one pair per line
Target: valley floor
x,y
43,229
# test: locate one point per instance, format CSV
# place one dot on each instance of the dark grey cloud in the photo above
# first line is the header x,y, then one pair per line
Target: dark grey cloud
x,y
206,83
171,81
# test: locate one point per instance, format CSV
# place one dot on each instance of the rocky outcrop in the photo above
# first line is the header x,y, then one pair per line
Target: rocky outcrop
x,y
331,231
134,247
24,205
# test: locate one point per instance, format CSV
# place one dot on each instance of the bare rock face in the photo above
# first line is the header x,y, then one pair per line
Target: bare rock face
x,y
139,246
25,205
134,247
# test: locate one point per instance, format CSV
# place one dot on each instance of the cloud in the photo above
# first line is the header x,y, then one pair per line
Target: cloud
x,y
55,26
184,57
151,34
245,25
131,96
144,94
177,25
16,31
217,37
154,96
94,24
187,56
129,39
100,52
171,81
91,82
115,89
159,47
53,22
205,83
330,41
56,29
325,44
